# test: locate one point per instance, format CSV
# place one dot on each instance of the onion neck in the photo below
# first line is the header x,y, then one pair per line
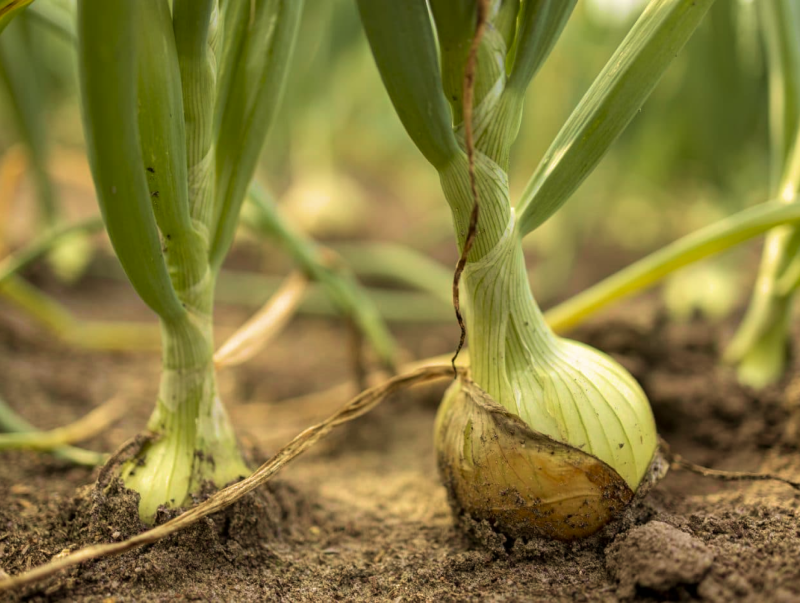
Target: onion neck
x,y
507,331
195,443
560,388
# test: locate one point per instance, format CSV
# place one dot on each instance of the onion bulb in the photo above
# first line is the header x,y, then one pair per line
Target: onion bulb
x,y
547,437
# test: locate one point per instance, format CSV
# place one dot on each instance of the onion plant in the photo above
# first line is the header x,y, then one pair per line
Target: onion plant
x,y
759,349
263,217
546,436
23,86
176,100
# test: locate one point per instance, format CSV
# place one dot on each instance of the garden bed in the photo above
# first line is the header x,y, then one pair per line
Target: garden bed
x,y
363,516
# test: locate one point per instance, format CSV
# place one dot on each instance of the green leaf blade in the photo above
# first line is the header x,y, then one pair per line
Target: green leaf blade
x,y
162,135
403,45
612,101
715,238
780,25
540,25
108,93
252,103
10,9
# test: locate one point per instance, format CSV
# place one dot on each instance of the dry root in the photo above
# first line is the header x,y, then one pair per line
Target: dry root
x,y
678,463
360,405
357,407
84,428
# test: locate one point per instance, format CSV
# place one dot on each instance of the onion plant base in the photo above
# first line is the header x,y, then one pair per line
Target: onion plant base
x,y
194,441
760,350
638,512
753,535
172,467
523,483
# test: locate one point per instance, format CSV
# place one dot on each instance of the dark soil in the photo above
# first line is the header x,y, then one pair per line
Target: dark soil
x,y
363,516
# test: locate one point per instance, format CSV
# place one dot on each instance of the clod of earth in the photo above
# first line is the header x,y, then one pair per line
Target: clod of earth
x,y
657,559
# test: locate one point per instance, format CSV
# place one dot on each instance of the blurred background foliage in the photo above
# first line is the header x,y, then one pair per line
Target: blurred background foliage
x,y
343,169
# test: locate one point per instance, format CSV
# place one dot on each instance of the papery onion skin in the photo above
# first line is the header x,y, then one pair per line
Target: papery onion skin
x,y
523,483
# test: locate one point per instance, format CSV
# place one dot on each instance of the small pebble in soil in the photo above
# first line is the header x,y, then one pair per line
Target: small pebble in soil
x,y
657,558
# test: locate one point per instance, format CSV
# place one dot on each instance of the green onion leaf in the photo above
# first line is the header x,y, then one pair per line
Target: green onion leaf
x,y
107,69
252,99
402,41
59,16
455,27
540,25
780,22
610,104
10,9
21,71
163,140
194,37
713,239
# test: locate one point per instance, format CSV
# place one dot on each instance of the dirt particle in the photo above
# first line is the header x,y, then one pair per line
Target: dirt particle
x,y
657,558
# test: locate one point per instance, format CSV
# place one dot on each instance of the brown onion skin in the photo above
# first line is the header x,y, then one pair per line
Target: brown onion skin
x,y
524,484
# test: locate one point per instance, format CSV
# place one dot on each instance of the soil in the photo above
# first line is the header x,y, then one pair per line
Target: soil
x,y
363,517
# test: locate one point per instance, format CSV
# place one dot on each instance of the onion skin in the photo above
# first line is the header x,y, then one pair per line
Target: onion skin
x,y
523,483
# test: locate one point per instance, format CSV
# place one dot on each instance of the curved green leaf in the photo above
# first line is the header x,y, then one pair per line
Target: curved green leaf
x,y
695,246
340,285
107,69
402,41
455,28
235,19
13,263
195,23
540,25
780,26
10,9
610,104
252,101
21,72
59,16
163,140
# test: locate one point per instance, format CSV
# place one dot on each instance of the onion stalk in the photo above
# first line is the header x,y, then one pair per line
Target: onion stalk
x,y
546,437
177,99
759,349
